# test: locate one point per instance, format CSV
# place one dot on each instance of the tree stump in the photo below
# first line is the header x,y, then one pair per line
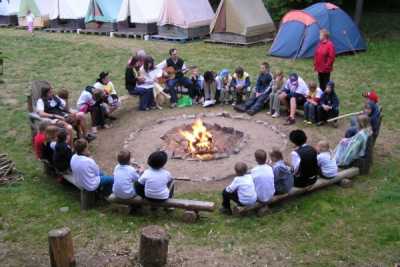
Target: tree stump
x,y
61,249
345,183
153,250
88,199
190,216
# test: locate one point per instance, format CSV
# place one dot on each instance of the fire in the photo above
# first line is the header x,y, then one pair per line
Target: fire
x,y
200,141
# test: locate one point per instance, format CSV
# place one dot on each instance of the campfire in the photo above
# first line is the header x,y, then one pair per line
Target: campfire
x,y
200,142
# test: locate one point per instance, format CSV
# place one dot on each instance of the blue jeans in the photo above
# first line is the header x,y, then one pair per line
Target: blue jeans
x,y
171,86
255,104
146,98
310,112
106,183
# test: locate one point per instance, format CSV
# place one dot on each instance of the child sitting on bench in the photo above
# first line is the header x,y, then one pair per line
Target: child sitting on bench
x,y
304,160
125,176
242,190
156,183
326,162
283,177
49,144
62,152
263,177
39,139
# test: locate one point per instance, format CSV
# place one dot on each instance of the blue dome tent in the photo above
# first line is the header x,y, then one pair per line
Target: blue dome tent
x,y
298,35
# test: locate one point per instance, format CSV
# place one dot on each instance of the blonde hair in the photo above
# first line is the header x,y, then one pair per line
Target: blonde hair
x,y
323,146
312,85
325,33
51,132
363,121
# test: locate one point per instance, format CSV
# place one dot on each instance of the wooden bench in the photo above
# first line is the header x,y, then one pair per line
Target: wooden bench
x,y
191,207
88,198
262,208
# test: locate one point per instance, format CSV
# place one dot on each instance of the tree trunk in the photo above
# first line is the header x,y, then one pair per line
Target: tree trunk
x,y
61,249
153,250
358,11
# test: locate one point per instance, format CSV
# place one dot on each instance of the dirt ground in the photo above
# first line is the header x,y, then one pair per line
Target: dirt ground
x,y
110,141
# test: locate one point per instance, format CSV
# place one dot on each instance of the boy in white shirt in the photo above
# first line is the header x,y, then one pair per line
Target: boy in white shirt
x,y
124,176
156,184
241,190
326,163
263,177
86,172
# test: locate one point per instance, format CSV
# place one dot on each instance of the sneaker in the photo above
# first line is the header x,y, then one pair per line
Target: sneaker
x,y
275,115
233,103
225,211
309,123
305,121
94,130
159,107
90,137
173,105
251,112
290,121
112,118
320,123
269,113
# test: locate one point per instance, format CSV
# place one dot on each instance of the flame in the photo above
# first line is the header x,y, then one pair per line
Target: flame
x,y
200,141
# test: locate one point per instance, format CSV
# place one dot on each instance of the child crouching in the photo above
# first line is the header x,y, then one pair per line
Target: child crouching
x,y
242,190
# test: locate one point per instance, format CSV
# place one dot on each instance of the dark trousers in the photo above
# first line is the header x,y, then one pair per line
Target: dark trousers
x,y
146,98
227,197
323,115
171,87
139,188
98,115
255,104
300,181
323,79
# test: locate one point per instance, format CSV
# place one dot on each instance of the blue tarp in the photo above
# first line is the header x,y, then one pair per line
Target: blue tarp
x,y
103,11
298,40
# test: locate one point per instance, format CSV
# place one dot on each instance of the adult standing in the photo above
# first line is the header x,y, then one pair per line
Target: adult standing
x,y
178,64
324,58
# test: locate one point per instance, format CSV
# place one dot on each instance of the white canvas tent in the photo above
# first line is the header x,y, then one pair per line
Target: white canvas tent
x,y
68,13
40,8
187,18
242,21
9,11
139,16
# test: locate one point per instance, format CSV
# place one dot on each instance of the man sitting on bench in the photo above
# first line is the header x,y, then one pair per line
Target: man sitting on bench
x,y
156,183
86,172
179,66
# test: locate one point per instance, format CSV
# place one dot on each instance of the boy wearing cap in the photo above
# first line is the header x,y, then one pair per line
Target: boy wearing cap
x,y
294,94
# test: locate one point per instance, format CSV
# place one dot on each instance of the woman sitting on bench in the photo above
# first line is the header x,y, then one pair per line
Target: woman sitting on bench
x,y
156,183
353,146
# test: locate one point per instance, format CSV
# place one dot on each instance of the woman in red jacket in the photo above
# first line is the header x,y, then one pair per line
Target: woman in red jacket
x,y
324,58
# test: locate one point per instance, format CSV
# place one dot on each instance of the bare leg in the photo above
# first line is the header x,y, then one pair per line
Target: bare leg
x,y
293,107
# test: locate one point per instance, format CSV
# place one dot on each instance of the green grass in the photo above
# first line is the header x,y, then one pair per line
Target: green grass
x,y
357,226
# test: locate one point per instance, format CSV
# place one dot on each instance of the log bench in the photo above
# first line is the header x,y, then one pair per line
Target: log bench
x,y
261,208
191,207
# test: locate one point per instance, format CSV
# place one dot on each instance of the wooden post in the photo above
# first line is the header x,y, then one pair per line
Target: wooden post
x,y
153,250
61,249
190,216
88,199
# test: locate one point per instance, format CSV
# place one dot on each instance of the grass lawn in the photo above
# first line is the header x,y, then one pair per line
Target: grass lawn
x,y
334,227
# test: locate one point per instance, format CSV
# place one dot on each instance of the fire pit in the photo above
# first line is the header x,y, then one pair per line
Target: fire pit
x,y
204,147
203,141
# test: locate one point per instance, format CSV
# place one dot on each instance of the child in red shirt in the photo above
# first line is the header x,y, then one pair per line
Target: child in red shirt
x,y
39,139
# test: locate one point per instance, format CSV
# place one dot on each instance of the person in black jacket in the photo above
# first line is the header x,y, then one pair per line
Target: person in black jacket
x,y
62,152
328,105
303,159
132,75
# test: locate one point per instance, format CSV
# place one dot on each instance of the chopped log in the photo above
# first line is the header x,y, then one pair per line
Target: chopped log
x,y
88,199
61,248
321,183
185,204
190,216
153,249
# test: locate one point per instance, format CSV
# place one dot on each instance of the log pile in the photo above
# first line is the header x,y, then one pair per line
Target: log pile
x,y
8,173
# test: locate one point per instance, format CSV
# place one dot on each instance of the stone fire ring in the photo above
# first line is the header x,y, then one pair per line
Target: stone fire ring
x,y
256,134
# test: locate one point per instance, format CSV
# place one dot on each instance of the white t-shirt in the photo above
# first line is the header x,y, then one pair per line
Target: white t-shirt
x,y
245,188
327,164
86,172
109,88
263,176
30,18
156,183
124,178
302,87
149,77
85,98
53,103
